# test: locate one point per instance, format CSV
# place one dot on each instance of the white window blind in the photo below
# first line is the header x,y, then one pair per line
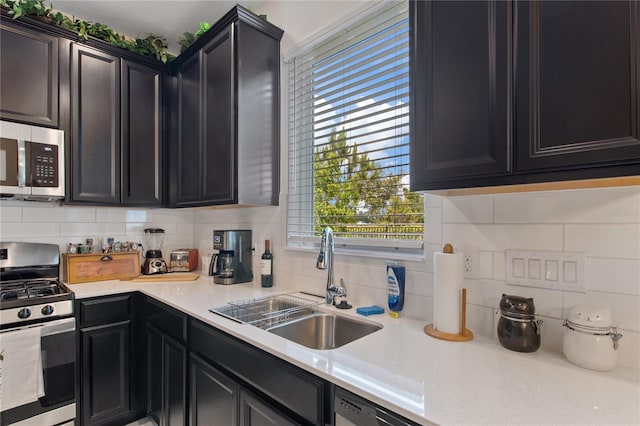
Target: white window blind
x,y
349,138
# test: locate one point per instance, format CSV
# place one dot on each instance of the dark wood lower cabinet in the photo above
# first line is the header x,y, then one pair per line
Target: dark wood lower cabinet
x,y
166,378
255,412
213,396
105,372
109,389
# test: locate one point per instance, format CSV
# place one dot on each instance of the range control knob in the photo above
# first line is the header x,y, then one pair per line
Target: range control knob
x,y
24,313
47,310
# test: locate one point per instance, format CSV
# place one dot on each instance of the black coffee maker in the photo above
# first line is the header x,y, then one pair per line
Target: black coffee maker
x,y
153,262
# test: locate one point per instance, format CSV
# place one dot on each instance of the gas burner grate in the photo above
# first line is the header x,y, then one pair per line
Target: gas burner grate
x,y
29,289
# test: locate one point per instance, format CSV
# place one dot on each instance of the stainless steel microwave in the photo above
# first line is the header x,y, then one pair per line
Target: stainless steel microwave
x,y
31,162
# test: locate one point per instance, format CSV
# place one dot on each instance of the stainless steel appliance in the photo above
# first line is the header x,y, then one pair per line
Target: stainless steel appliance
x,y
153,262
183,260
232,264
352,410
32,297
31,162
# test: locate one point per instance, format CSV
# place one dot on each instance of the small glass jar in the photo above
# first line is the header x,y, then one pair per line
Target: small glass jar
x,y
518,326
590,340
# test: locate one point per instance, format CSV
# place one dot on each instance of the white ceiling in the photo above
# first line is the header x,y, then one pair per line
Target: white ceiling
x,y
167,18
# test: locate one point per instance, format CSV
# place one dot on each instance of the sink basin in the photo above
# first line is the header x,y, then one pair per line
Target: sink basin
x,y
324,331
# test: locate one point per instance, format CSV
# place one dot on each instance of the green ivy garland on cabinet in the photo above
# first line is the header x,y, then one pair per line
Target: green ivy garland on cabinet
x,y
152,45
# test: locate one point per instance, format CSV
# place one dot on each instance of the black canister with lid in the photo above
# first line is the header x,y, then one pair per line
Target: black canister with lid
x,y
518,327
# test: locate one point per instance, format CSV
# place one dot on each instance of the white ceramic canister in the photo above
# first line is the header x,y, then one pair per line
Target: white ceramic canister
x,y
590,340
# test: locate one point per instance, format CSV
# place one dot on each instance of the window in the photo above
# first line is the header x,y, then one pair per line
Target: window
x,y
349,138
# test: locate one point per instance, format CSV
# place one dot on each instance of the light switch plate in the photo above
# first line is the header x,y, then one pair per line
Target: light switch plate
x,y
558,270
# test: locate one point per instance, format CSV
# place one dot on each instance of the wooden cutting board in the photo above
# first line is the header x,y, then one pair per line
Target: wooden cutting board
x,y
172,276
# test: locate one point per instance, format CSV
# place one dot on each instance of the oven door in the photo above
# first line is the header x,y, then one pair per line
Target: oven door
x,y
57,406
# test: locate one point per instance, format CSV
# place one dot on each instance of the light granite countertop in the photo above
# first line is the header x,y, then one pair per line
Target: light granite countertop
x,y
422,378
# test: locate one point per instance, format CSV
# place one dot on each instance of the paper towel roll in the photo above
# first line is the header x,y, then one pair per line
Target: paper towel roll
x,y
448,281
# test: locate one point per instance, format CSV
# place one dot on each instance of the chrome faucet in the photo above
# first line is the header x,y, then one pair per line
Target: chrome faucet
x,y
325,261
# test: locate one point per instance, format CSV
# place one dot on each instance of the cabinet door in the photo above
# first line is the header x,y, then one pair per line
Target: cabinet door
x,y
460,85
141,135
218,139
188,137
166,379
95,138
213,396
28,75
255,412
105,378
578,79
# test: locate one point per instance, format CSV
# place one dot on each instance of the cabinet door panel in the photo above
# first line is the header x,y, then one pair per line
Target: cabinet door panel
x,y
213,396
28,75
154,375
189,108
141,135
254,412
105,375
460,82
218,143
577,84
95,139
174,385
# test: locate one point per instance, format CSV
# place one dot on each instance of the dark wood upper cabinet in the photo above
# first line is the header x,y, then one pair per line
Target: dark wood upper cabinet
x,y
577,84
142,135
219,147
522,92
226,123
95,118
28,75
461,90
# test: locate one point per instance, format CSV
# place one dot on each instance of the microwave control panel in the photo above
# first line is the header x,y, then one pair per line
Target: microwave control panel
x,y
44,165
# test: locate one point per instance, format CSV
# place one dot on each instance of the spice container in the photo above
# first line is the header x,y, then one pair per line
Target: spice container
x,y
590,340
518,326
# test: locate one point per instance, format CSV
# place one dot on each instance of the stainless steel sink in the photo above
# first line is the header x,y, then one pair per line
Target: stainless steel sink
x,y
323,330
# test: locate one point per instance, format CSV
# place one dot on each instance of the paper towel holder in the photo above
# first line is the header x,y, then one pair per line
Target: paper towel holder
x,y
464,335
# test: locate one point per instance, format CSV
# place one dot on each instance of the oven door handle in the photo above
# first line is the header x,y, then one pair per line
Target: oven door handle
x,y
50,328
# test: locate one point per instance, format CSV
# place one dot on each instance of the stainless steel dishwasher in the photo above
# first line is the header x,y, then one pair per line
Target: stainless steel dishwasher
x,y
352,410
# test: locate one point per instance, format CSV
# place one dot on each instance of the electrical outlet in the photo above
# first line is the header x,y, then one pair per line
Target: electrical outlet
x,y
470,260
468,263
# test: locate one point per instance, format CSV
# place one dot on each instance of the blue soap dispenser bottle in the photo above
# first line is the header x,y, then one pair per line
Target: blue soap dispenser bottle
x,y
395,286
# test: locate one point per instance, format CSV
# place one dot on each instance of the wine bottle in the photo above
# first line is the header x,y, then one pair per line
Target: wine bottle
x,y
266,266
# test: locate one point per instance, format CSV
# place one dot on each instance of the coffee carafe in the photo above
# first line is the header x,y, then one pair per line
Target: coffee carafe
x,y
232,264
153,262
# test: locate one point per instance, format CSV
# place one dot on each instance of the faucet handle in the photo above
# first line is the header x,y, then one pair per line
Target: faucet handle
x,y
343,288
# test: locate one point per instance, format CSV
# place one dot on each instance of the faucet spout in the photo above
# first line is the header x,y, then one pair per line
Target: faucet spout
x,y
325,261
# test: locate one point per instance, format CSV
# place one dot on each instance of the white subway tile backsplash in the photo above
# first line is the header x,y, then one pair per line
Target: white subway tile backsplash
x,y
19,231
480,320
433,225
91,230
551,333
478,209
611,205
174,216
501,237
610,240
629,348
431,200
613,275
484,263
499,266
121,215
10,213
57,214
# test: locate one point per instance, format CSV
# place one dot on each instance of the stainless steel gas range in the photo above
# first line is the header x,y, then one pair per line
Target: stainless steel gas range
x,y
37,337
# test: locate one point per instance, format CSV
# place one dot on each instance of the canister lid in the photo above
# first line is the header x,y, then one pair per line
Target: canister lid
x,y
590,316
517,305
